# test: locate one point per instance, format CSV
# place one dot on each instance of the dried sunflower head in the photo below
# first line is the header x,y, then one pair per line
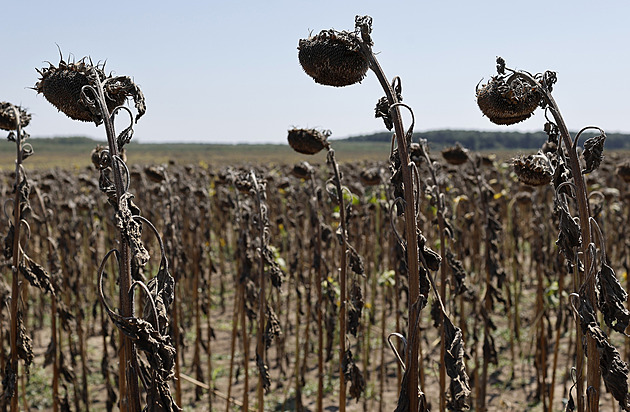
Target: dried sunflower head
x,y
623,171
532,170
508,101
302,170
371,176
62,86
333,58
8,120
308,141
455,155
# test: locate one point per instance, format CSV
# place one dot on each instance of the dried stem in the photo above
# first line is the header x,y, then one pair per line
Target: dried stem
x,y
593,368
15,287
411,227
342,277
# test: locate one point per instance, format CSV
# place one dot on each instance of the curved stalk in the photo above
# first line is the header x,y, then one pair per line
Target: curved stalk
x,y
410,227
593,368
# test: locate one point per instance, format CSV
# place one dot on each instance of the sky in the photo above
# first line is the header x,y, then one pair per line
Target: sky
x,y
228,71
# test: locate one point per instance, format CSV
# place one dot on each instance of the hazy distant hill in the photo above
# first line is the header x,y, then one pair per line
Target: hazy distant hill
x,y
477,140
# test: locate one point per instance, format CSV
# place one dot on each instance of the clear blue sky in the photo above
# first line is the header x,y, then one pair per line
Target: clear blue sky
x,y
227,71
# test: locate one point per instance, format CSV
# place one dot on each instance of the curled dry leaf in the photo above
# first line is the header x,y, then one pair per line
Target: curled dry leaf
x,y
36,275
455,367
610,299
355,307
273,329
614,370
353,374
263,370
593,152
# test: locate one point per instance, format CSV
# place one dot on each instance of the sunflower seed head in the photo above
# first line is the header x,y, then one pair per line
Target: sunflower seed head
x,y
333,58
532,170
308,141
455,155
623,171
302,170
508,103
63,86
8,119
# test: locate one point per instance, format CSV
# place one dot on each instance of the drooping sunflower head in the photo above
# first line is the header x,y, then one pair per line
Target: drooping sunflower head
x,y
508,101
308,141
532,170
64,87
455,155
623,171
8,118
371,177
302,170
511,96
333,58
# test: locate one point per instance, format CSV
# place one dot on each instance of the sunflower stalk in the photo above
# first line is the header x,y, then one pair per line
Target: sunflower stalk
x,y
130,393
13,374
510,99
342,276
411,227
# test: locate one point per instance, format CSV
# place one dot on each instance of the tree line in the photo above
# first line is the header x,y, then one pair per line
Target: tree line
x,y
484,140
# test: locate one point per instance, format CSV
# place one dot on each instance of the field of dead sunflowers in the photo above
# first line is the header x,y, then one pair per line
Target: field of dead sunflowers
x,y
426,281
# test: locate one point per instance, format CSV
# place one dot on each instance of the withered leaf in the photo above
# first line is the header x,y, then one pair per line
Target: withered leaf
x,y
9,382
593,152
36,275
455,367
356,261
458,271
263,370
158,348
353,374
131,229
355,307
614,370
124,86
24,342
159,399
162,289
610,299
570,235
8,242
272,328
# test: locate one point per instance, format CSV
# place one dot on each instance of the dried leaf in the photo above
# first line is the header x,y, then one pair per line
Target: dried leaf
x,y
263,370
24,342
36,275
610,299
455,367
9,382
356,261
593,152
353,374
272,328
130,228
614,370
355,307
